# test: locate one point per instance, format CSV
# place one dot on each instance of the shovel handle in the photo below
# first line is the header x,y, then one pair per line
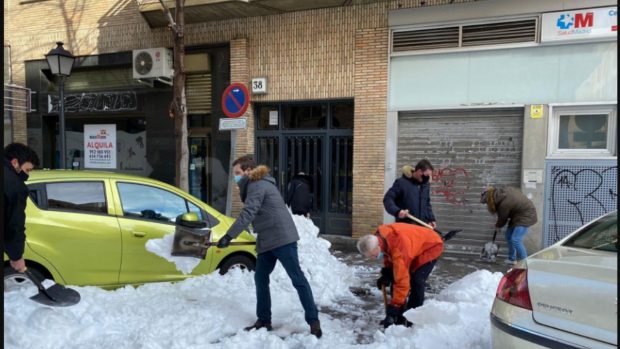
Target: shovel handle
x,y
494,235
385,301
209,244
413,218
38,283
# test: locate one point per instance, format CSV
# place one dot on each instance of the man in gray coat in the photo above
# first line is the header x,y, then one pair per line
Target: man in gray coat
x,y
276,240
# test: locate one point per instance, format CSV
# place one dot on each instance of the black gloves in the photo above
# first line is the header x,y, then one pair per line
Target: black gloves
x,y
392,315
386,279
224,241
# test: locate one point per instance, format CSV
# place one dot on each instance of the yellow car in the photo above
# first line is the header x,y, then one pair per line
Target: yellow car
x,y
91,227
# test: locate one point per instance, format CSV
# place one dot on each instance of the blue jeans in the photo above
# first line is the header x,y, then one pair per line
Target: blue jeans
x,y
514,239
265,262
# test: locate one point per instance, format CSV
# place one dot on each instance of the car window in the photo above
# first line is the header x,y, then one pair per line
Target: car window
x,y
76,196
143,201
599,235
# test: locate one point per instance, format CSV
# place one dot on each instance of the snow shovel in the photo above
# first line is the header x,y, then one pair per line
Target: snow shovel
x,y
190,242
444,237
55,296
490,250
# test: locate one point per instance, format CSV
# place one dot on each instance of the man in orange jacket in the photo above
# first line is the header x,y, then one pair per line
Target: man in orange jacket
x,y
409,254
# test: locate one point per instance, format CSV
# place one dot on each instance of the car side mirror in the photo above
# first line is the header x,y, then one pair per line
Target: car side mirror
x,y
190,220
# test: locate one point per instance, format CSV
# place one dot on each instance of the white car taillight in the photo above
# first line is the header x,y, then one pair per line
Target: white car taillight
x,y
513,289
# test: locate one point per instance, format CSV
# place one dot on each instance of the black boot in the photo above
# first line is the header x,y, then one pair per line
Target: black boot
x,y
315,329
258,325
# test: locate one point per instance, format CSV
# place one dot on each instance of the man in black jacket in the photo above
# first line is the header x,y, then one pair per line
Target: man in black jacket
x,y
411,194
19,160
299,194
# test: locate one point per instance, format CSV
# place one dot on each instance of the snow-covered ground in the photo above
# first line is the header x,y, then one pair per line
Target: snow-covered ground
x,y
210,311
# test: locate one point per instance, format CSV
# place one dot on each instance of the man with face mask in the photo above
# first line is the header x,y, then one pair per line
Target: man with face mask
x,y
19,160
276,240
409,253
411,194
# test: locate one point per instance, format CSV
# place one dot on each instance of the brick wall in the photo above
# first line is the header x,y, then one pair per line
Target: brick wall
x,y
330,53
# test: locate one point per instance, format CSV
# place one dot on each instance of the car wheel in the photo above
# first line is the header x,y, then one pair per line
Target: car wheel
x,y
14,280
239,261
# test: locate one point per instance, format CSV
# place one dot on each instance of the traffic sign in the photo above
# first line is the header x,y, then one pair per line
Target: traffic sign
x,y
235,100
233,124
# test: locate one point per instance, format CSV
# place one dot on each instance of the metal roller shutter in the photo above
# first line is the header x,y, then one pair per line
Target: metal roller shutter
x,y
198,93
469,150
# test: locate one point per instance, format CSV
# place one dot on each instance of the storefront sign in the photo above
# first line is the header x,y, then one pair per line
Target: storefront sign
x,y
100,146
585,24
95,102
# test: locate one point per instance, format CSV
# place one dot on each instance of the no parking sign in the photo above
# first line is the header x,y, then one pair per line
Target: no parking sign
x,y
235,100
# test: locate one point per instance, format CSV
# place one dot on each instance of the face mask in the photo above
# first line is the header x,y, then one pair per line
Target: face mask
x,y
238,178
380,255
23,176
425,179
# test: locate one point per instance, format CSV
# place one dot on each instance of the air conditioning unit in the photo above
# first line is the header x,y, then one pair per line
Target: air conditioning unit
x,y
153,63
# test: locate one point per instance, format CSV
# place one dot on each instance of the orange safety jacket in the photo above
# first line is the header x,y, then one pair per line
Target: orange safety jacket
x,y
406,247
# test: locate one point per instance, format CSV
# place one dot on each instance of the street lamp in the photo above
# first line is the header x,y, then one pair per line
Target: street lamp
x,y
60,62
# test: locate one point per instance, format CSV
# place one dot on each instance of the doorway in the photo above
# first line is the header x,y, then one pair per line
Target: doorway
x,y
315,138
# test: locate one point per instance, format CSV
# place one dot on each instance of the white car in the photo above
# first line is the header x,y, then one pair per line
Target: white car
x,y
564,296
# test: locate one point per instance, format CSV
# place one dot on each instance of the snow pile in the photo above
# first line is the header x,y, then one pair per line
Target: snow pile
x,y
457,318
163,248
210,311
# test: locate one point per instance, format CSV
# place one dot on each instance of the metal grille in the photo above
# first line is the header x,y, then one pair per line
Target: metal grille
x,y
303,154
425,39
469,150
16,99
341,199
268,153
499,33
576,192
465,36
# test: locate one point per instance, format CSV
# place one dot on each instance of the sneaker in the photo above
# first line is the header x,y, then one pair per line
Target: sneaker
x,y
258,325
315,329
510,262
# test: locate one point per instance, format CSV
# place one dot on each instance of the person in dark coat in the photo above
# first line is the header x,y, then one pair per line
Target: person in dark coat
x,y
19,160
299,194
411,194
276,240
514,208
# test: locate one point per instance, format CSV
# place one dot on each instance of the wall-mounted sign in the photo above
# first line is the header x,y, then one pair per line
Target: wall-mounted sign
x,y
100,146
259,85
95,102
536,111
273,118
585,24
233,124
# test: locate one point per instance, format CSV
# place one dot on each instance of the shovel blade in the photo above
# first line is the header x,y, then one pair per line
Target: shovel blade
x,y
190,242
449,235
57,296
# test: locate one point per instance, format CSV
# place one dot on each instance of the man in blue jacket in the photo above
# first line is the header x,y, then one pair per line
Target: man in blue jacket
x,y
276,240
411,194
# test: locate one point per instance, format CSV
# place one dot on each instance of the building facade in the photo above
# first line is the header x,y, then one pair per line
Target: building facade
x,y
340,101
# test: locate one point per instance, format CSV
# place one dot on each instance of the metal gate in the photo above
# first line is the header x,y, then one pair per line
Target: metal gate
x,y
469,149
328,160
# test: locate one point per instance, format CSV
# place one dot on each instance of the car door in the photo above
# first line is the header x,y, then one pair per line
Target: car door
x,y
149,212
72,225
